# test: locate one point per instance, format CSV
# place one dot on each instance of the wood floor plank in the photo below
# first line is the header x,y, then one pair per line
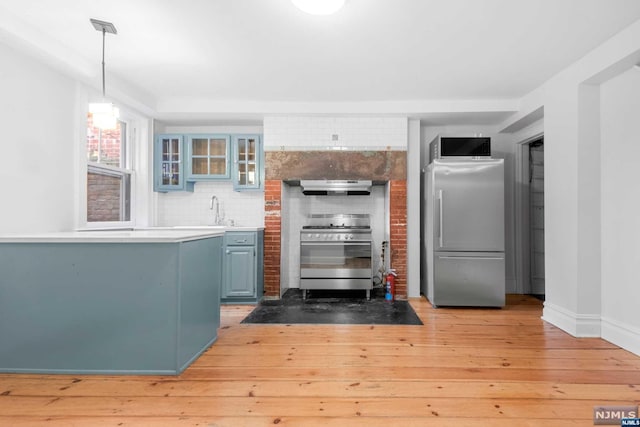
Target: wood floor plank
x,y
480,367
402,373
301,407
366,359
307,421
117,387
422,350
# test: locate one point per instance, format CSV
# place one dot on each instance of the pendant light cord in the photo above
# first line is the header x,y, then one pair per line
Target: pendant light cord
x,y
104,34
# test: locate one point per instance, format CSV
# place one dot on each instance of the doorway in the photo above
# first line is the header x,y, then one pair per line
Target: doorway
x,y
530,244
536,215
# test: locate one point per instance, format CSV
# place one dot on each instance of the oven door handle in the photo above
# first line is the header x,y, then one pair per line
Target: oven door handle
x,y
336,243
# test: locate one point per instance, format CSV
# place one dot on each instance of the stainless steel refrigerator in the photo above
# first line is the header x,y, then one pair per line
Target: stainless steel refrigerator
x,y
464,233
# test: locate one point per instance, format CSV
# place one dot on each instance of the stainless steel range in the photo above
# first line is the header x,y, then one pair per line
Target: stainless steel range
x,y
335,253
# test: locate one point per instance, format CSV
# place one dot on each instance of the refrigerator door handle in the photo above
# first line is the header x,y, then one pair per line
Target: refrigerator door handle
x,y
471,257
440,225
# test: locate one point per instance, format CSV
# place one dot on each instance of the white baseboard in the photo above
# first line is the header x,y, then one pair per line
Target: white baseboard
x,y
621,334
578,325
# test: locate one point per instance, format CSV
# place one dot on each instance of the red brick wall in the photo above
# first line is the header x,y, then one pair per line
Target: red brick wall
x,y
103,197
388,166
103,191
272,234
398,238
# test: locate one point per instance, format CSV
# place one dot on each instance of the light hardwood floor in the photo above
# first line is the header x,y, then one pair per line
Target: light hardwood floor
x,y
463,367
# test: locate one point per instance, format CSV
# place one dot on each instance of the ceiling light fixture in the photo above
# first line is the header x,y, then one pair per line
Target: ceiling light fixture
x,y
319,7
105,114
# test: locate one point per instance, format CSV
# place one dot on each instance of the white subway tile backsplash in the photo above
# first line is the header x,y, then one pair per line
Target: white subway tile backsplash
x,y
296,207
186,208
353,133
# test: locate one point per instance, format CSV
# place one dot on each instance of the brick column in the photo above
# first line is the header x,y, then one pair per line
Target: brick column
x,y
272,237
398,238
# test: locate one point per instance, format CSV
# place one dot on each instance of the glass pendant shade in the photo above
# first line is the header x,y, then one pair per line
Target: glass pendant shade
x,y
105,115
319,7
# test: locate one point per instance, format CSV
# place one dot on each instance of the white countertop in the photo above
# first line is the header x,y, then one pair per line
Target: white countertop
x,y
205,227
150,235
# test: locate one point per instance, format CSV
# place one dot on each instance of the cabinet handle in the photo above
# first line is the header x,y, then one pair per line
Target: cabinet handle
x,y
228,251
441,225
241,241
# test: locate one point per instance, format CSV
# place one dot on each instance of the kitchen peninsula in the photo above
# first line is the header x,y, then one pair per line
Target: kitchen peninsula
x,y
109,302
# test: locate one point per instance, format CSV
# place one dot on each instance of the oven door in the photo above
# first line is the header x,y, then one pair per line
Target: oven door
x,y
335,260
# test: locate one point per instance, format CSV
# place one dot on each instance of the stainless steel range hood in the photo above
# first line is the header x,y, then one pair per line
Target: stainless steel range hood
x,y
332,187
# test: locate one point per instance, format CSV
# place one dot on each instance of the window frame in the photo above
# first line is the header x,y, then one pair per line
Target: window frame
x,y
125,171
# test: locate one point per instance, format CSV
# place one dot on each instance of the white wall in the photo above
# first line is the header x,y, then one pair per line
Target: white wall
x,y
38,145
413,209
581,253
185,208
620,151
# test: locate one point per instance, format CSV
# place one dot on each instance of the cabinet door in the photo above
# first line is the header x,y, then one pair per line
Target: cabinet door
x,y
240,276
247,163
469,206
208,157
469,279
169,164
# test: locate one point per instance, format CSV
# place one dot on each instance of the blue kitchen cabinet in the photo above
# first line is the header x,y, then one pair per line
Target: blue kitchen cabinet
x,y
208,157
108,308
248,164
180,160
243,267
169,164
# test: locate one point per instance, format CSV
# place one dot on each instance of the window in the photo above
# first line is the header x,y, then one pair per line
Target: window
x,y
108,174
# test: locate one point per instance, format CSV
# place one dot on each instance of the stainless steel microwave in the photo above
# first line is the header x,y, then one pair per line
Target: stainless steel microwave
x,y
443,147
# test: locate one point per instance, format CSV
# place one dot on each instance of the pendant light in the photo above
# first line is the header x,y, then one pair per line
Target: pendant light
x,y
105,114
319,7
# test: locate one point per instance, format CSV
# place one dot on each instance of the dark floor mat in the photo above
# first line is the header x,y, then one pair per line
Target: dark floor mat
x,y
334,307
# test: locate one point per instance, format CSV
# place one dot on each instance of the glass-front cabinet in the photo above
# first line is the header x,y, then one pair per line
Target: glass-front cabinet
x,y
183,159
208,157
247,164
170,164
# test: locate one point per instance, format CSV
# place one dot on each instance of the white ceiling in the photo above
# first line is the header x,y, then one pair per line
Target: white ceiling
x,y
245,58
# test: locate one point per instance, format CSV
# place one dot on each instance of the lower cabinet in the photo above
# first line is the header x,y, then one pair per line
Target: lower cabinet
x,y
243,267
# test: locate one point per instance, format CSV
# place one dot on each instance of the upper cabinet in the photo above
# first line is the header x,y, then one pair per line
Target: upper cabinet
x,y
169,164
181,160
247,163
208,157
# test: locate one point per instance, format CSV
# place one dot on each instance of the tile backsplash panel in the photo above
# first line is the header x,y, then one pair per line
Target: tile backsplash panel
x,y
296,207
186,208
301,133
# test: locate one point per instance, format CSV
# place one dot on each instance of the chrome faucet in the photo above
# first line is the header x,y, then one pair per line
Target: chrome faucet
x,y
216,214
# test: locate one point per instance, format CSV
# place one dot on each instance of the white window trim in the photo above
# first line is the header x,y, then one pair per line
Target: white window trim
x,y
115,171
118,173
140,161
